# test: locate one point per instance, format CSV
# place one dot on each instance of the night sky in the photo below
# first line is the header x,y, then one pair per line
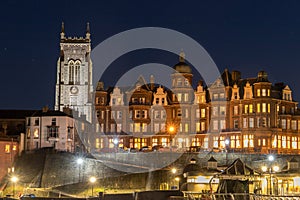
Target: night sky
x,y
248,36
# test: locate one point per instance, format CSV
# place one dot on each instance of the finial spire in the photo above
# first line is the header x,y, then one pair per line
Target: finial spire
x,y
88,34
62,27
88,27
182,56
62,32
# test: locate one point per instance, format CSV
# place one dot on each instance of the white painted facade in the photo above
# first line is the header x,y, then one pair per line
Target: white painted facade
x,y
47,130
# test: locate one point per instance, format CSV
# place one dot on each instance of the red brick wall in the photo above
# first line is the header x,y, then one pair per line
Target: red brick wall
x,y
8,152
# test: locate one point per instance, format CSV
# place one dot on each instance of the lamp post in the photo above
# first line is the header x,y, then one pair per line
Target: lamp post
x,y
173,170
79,162
227,141
14,180
171,131
92,181
270,169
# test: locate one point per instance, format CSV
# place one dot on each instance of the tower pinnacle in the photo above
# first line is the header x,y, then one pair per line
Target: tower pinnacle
x,y
88,34
181,56
62,32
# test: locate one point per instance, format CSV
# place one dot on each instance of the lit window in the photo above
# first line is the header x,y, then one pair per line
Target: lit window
x,y
137,127
154,141
14,148
7,148
202,126
205,142
258,108
294,125
269,108
294,142
216,142
216,96
197,126
274,142
119,128
222,110
186,127
197,113
250,108
179,97
268,92
264,107
246,109
283,123
258,92
186,97
284,142
203,99
263,92
36,133
203,113
215,110
222,95
235,110
28,132
144,127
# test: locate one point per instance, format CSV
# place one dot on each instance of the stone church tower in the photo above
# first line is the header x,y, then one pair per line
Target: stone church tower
x,y
74,74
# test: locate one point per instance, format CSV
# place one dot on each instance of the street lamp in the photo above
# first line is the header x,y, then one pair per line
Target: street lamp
x,y
171,130
173,170
79,162
14,179
270,170
227,141
92,180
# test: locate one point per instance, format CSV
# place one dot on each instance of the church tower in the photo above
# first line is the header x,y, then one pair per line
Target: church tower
x,y
74,74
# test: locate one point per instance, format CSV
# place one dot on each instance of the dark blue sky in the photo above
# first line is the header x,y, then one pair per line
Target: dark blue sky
x,y
239,35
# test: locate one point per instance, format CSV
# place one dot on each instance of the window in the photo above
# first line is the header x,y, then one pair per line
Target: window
x,y
246,109
222,95
284,141
258,92
119,114
263,92
202,126
269,108
137,127
215,142
53,122
186,82
215,125
294,125
52,132
186,97
283,123
215,111
186,127
244,122
77,72
236,110
236,123
268,92
222,125
258,108
294,142
28,133
203,99
36,122
198,127
222,110
264,107
14,148
251,122
179,82
283,109
36,133
7,148
112,128
156,128
119,128
203,113
144,127
215,96
197,113
71,72
250,108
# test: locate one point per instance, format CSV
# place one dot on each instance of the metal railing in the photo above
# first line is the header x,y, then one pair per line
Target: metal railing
x,y
237,196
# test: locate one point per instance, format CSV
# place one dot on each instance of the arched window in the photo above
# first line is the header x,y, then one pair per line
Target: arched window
x,y
74,72
71,72
77,72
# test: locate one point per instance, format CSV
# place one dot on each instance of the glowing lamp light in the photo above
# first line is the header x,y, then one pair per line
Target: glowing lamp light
x,y
79,161
227,141
171,129
92,179
264,168
174,170
275,168
271,158
116,141
14,179
177,179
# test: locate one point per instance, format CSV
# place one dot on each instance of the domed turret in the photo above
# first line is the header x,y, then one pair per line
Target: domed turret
x,y
182,67
262,76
